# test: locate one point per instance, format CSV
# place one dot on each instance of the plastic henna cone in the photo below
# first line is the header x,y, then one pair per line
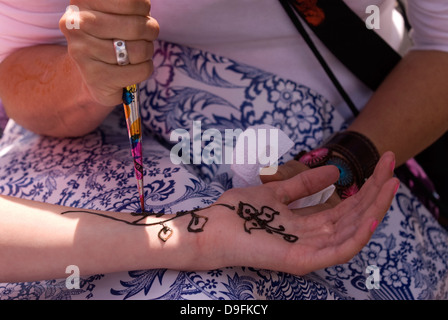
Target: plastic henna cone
x,y
133,122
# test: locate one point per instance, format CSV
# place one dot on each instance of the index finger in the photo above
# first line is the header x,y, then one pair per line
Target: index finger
x,y
124,7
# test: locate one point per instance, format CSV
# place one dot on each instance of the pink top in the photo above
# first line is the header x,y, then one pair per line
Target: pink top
x,y
256,32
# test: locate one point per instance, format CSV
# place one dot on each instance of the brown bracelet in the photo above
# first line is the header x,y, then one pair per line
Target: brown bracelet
x,y
357,149
352,153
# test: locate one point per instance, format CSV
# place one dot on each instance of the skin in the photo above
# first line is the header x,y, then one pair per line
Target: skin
x,y
408,112
38,242
405,115
82,77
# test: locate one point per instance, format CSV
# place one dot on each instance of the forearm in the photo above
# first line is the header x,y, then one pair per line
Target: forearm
x,y
38,241
42,90
244,227
409,111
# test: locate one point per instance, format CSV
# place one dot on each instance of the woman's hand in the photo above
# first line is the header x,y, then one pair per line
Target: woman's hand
x,y
260,231
91,45
82,82
245,227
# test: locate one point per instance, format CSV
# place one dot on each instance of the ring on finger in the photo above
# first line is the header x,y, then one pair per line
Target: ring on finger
x,y
121,52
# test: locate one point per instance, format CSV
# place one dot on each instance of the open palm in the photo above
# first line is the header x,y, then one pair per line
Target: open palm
x,y
303,240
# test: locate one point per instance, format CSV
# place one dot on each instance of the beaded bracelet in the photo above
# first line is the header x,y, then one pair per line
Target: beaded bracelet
x,y
352,153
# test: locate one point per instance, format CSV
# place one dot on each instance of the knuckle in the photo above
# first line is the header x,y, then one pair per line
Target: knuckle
x,y
149,29
307,183
155,27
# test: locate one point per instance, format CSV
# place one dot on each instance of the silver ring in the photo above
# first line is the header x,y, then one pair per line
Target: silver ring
x,y
121,52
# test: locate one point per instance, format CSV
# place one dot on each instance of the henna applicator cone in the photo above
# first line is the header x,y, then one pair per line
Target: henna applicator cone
x,y
133,121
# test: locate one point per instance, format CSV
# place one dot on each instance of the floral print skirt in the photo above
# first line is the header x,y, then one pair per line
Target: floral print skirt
x,y
407,257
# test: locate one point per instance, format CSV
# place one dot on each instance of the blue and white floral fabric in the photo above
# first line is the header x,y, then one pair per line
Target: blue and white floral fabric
x,y
409,249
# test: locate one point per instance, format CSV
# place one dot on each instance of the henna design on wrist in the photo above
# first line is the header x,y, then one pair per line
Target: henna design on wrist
x,y
253,220
196,224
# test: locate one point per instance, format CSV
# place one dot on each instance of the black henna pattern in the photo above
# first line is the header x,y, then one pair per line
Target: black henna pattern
x,y
197,222
253,220
260,220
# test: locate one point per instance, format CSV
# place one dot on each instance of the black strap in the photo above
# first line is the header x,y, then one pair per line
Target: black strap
x,y
349,39
319,57
361,50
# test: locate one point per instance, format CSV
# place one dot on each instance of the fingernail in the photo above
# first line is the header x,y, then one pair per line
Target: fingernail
x,y
373,226
392,166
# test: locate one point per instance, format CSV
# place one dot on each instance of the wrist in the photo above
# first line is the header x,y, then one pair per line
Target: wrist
x,y
352,153
189,240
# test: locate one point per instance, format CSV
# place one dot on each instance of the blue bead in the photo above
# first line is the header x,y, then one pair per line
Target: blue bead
x,y
346,177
